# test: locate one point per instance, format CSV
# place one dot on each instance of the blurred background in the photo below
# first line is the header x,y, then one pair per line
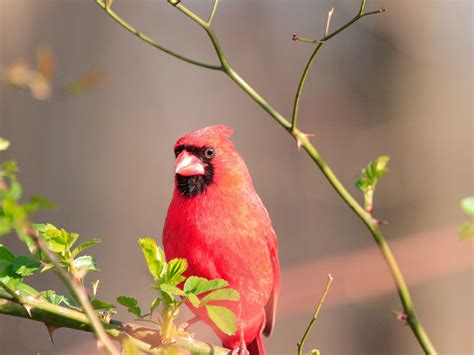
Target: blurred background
x,y
97,139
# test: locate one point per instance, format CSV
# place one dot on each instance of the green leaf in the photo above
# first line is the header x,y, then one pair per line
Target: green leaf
x,y
467,205
154,305
26,290
223,317
4,144
171,290
131,303
37,202
174,270
25,265
84,246
198,285
69,238
194,300
52,297
72,303
15,191
372,173
5,254
85,263
228,294
154,256
98,304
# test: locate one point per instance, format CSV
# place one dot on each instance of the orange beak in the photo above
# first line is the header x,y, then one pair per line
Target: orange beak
x,y
188,164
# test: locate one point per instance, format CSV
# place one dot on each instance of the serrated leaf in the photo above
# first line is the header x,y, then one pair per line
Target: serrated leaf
x,y
131,304
223,318
85,262
26,290
174,271
467,205
25,265
198,285
228,294
84,246
52,297
99,304
154,256
171,290
4,144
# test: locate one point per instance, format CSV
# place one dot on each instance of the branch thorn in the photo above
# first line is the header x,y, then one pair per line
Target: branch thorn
x,y
28,309
328,22
299,142
51,329
400,316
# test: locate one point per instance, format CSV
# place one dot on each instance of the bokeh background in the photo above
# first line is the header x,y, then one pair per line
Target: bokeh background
x,y
398,84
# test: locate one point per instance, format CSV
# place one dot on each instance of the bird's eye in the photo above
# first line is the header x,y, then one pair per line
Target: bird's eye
x,y
209,153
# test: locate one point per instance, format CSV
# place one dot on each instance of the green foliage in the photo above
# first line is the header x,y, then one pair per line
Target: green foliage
x,y
13,270
223,318
61,242
367,181
131,304
372,173
175,289
466,230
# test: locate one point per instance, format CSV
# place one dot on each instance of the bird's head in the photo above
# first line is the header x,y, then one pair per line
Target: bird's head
x,y
207,158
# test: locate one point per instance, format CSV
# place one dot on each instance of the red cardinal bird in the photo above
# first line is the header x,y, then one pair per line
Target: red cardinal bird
x,y
219,224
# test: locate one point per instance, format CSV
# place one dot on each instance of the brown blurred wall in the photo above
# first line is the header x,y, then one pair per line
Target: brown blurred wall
x,y
397,84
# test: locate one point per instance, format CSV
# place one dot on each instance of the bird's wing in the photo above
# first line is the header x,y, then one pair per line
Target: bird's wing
x,y
270,307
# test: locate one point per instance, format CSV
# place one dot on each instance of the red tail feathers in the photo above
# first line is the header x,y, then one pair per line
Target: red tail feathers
x,y
256,346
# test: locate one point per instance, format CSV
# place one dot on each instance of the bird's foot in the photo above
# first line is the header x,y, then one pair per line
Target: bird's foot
x,y
240,350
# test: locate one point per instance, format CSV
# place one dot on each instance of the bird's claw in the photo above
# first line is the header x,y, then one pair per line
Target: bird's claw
x,y
240,350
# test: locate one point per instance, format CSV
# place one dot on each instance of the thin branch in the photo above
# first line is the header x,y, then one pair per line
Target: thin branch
x,y
315,315
78,291
148,40
213,12
9,291
311,59
190,14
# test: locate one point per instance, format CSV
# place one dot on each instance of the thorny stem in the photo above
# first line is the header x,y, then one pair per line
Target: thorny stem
x,y
145,339
303,140
78,291
315,315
